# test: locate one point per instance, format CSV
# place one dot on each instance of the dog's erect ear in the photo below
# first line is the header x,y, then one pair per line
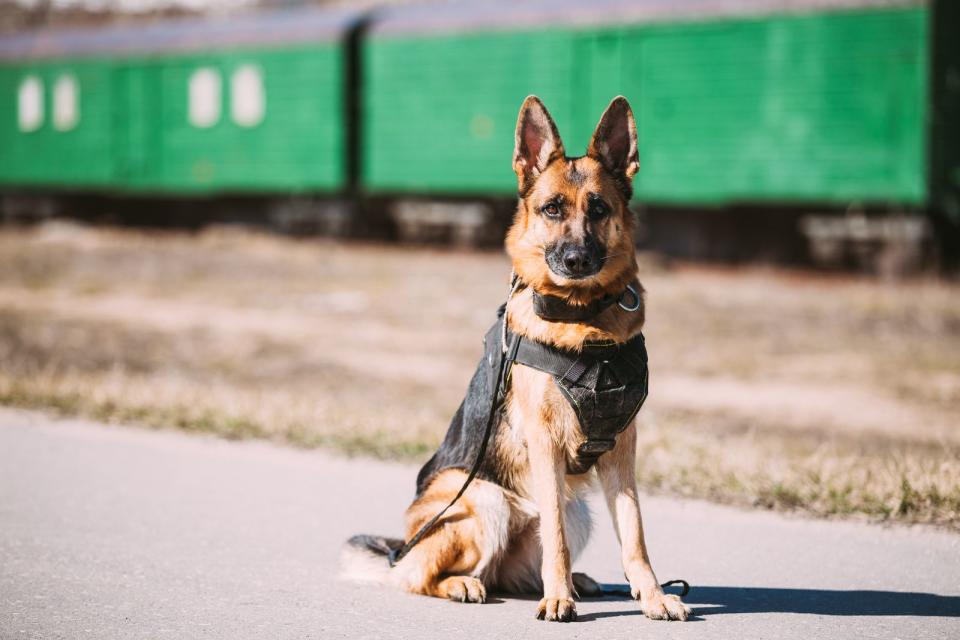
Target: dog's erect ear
x,y
537,141
614,142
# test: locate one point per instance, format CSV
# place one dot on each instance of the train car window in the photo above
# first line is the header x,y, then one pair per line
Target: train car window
x,y
248,102
30,104
66,102
205,97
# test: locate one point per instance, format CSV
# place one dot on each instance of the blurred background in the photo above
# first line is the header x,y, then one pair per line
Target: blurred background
x,y
245,217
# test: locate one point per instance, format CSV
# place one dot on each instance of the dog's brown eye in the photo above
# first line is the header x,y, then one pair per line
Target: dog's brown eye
x,y
551,210
597,210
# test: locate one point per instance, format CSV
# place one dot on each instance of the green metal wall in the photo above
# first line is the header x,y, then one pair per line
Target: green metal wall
x,y
80,156
439,112
134,132
299,144
826,107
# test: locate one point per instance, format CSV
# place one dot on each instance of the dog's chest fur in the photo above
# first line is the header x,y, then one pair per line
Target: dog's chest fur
x,y
534,402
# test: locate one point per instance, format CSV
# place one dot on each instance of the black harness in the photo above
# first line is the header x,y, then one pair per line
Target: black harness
x,y
605,385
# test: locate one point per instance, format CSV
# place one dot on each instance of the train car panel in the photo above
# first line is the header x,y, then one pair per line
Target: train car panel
x,y
823,108
439,112
249,120
55,123
136,113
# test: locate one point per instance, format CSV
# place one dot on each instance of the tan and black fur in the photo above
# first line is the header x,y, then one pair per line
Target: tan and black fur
x,y
522,534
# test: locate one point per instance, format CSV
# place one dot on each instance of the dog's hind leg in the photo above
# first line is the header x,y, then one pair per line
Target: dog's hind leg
x,y
453,560
440,566
462,589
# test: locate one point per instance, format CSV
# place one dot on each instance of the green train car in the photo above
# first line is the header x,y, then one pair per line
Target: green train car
x,y
186,107
735,101
771,106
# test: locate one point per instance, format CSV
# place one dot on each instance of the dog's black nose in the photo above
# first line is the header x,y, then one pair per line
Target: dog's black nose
x,y
575,259
578,260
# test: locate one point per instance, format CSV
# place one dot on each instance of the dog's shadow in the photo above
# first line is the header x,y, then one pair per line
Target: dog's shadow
x,y
711,601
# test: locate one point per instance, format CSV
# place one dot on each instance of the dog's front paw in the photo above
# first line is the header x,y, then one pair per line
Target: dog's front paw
x,y
658,605
557,610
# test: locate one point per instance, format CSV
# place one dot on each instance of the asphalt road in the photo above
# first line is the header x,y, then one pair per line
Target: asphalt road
x,y
115,532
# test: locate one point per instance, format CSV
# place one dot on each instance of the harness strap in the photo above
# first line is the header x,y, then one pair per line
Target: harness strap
x,y
570,365
565,365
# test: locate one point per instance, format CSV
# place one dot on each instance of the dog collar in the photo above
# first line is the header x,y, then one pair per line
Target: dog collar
x,y
557,309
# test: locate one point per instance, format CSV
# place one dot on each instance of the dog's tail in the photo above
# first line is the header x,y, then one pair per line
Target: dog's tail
x,y
365,558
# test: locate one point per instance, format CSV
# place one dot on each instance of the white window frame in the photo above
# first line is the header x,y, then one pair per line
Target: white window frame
x,y
30,103
66,102
248,96
204,97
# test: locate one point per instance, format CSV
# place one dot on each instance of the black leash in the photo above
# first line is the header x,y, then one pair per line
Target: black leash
x,y
397,555
623,590
684,589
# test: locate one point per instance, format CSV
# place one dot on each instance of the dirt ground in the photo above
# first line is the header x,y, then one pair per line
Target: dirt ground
x,y
823,394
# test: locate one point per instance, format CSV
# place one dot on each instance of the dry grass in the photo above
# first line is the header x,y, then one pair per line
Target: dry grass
x,y
832,396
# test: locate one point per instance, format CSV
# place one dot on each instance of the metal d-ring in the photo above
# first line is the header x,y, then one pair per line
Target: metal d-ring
x,y
636,299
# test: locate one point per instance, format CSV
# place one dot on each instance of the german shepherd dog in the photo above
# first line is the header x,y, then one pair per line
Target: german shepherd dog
x,y
572,238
